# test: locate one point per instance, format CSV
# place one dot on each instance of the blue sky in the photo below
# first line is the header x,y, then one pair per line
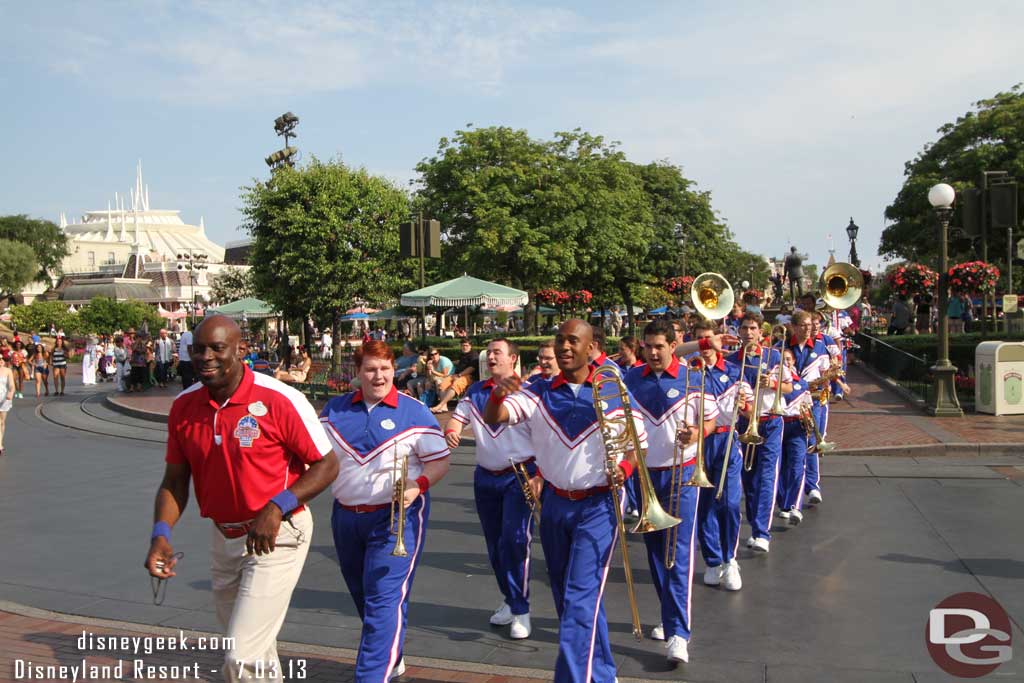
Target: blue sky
x,y
795,116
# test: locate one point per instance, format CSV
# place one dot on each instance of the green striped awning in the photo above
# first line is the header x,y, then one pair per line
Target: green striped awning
x,y
466,291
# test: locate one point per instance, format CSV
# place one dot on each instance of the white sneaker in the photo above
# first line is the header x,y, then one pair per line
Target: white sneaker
x,y
760,545
750,542
677,650
712,576
398,670
731,580
658,632
814,497
520,626
795,517
502,616
783,514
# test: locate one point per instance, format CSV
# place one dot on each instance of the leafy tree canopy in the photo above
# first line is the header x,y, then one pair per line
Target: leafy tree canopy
x,y
232,284
990,138
44,237
324,235
17,266
105,315
40,315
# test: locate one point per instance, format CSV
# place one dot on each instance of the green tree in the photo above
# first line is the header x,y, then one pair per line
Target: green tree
x,y
105,315
989,138
17,266
45,238
232,284
325,234
503,206
40,315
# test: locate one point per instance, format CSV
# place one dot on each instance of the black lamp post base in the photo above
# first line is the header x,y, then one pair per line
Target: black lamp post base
x,y
944,403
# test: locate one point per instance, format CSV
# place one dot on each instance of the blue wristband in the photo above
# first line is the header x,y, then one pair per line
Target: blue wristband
x,y
285,500
161,529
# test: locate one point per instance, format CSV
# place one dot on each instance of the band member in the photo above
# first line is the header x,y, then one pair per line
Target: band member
x,y
719,518
256,455
578,526
670,415
374,431
795,441
500,502
836,387
812,359
546,366
597,355
761,482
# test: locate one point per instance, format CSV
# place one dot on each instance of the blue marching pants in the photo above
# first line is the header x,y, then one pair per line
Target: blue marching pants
x,y
794,464
813,475
506,520
719,520
673,585
761,483
632,498
579,538
379,582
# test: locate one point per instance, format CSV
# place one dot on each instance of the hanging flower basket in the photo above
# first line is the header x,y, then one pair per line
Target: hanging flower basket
x,y
679,285
580,297
913,278
973,277
552,297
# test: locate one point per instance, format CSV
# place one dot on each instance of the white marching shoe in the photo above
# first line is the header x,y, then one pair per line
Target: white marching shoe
x,y
760,545
750,542
520,626
678,650
712,576
731,580
398,670
814,497
795,517
658,632
502,616
783,514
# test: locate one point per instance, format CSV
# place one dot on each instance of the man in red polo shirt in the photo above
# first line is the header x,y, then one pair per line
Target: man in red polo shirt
x,y
256,453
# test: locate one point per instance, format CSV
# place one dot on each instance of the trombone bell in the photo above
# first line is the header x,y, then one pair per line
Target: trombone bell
x,y
841,286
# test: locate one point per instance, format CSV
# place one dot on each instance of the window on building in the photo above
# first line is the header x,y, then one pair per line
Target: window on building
x,y
92,258
110,257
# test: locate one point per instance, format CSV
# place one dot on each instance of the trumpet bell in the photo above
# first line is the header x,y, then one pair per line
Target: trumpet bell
x,y
712,295
841,285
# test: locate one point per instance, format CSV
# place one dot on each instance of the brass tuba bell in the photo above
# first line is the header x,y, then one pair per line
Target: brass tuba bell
x,y
712,295
841,285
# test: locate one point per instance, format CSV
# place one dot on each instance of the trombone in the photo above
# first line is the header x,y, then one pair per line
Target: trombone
x,y
523,477
619,436
751,438
699,477
777,409
748,351
398,474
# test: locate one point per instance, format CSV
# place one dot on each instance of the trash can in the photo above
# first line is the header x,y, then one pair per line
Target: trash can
x,y
999,367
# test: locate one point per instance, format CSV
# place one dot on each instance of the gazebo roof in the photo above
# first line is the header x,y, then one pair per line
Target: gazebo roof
x,y
466,291
84,291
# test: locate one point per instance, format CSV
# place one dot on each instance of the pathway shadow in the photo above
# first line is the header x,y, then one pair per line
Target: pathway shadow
x,y
994,567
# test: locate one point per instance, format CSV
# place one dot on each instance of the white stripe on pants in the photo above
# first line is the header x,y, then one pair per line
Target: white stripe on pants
x,y
252,593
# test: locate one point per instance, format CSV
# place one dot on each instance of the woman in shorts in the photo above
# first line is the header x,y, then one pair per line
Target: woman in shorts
x,y
59,365
41,362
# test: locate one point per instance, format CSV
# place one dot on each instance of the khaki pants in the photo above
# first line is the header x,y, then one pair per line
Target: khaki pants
x,y
252,593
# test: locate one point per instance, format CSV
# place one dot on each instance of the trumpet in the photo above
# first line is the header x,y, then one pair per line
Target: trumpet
x,y
399,474
523,477
819,446
652,516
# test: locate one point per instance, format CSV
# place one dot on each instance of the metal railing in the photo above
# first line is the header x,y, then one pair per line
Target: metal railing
x,y
909,371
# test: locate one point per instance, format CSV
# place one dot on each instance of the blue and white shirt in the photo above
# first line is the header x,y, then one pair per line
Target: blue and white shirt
x,y
497,446
370,440
663,401
772,359
564,430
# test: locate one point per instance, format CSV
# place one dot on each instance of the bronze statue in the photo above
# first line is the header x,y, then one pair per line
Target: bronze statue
x,y
795,273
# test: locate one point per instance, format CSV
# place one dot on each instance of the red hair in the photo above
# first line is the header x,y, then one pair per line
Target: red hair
x,y
373,349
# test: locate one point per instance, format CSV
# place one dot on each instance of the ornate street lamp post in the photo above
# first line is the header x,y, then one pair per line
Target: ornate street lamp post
x,y
851,232
944,402
681,241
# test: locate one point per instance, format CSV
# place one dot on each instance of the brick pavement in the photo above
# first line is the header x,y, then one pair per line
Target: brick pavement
x,y
37,638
